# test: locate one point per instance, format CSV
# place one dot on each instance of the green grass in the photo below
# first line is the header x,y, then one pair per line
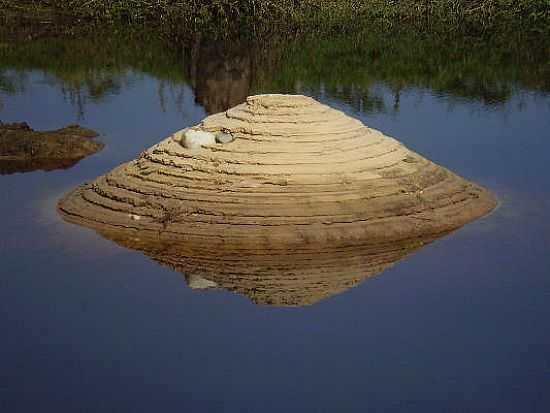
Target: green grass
x,y
327,16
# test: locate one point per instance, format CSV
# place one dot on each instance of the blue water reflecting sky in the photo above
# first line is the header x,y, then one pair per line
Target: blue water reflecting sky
x,y
462,325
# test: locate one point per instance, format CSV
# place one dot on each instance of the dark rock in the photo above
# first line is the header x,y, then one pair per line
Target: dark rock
x,y
23,149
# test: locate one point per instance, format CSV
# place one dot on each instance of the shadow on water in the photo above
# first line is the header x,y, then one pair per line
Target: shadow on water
x,y
350,68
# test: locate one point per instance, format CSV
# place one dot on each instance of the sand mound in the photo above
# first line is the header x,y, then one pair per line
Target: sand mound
x,y
296,176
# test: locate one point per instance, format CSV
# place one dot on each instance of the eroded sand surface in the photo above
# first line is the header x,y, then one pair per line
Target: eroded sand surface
x,y
22,149
299,177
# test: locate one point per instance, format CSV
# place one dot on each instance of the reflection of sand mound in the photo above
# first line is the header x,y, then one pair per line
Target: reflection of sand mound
x,y
291,277
298,177
23,149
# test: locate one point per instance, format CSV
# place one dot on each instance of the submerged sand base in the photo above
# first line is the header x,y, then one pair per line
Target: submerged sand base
x,y
296,175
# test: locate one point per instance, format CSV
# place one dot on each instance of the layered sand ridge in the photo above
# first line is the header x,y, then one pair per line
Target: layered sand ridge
x,y
298,178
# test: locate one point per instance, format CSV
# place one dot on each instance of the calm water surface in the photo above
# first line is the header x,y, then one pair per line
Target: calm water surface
x,y
461,325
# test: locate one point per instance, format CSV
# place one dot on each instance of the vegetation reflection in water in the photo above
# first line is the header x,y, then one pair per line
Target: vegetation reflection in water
x,y
223,74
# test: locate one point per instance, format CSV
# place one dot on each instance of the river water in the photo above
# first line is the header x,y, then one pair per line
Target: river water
x,y
461,325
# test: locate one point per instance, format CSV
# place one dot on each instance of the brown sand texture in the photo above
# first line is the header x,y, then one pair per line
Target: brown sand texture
x,y
22,149
303,196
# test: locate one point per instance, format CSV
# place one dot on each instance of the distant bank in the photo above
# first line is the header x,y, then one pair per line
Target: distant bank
x,y
476,17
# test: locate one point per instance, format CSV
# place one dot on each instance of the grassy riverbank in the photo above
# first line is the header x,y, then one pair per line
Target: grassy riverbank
x,y
262,16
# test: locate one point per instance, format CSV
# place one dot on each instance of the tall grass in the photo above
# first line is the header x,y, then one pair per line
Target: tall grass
x,y
476,16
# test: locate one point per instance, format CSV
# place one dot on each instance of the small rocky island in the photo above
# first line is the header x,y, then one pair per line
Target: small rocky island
x,y
22,149
279,188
